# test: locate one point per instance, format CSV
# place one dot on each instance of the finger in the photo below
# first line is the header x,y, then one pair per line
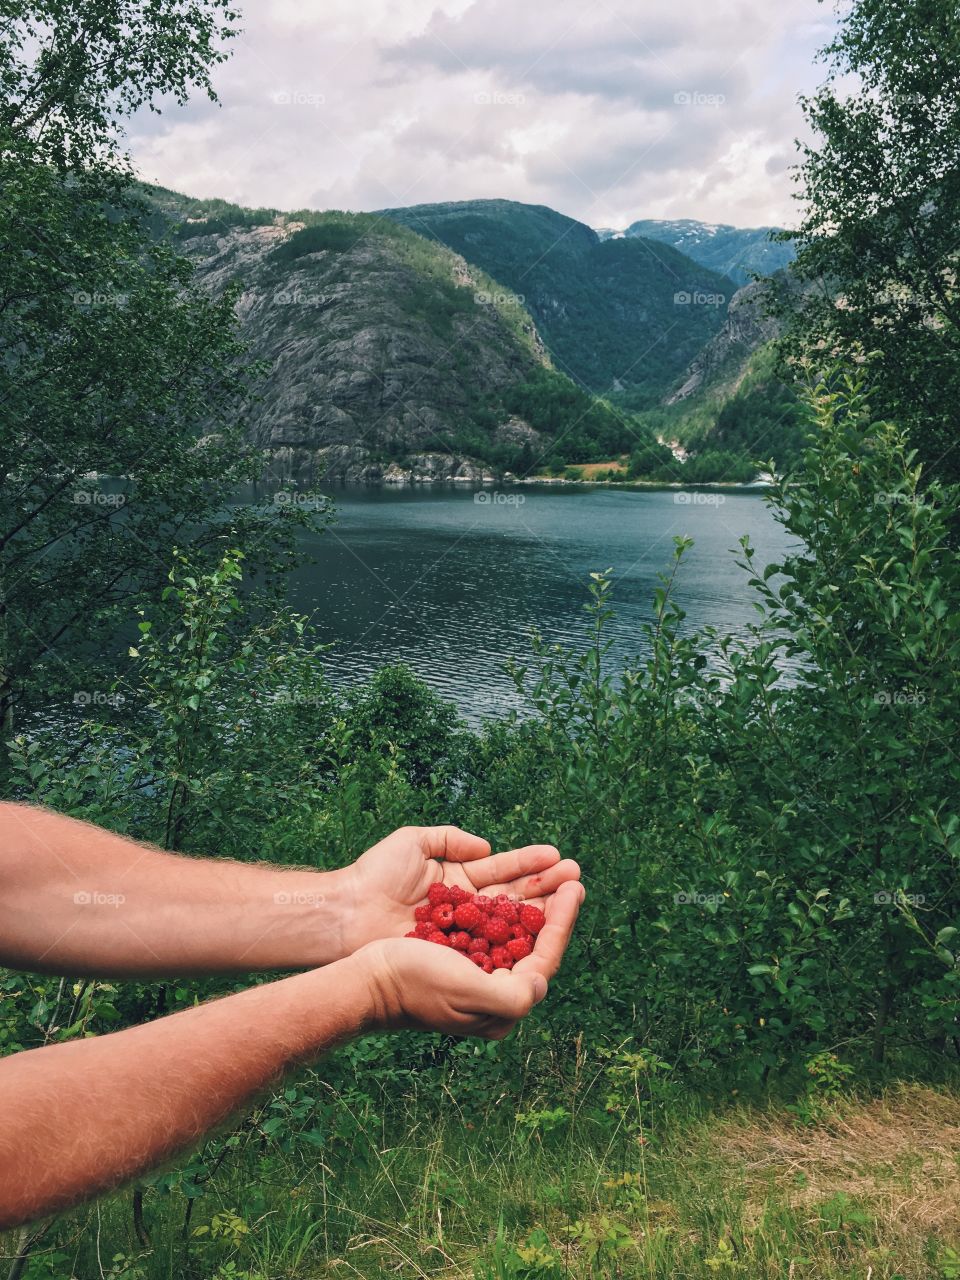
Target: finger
x,y
502,868
452,844
552,940
541,884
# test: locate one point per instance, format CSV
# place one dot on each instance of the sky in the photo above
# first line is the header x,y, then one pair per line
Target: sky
x,y
608,112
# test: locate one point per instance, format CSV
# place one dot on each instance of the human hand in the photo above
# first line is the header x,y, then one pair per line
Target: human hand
x,y
418,985
389,880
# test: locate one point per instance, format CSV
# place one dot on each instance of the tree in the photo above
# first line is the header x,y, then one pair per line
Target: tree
x,y
878,245
121,382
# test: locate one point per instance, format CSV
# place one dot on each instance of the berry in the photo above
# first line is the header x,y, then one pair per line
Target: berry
x,y
461,941
437,936
467,916
412,934
481,961
507,908
532,917
438,893
458,895
501,958
423,912
442,916
519,947
480,944
483,903
496,930
520,931
425,929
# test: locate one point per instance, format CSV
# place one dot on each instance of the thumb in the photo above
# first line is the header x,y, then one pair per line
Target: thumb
x,y
452,844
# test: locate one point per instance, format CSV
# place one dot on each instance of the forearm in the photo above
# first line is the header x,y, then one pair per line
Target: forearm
x,y
78,1119
76,899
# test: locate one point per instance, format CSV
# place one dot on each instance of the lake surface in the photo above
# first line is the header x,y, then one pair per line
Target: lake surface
x,y
452,585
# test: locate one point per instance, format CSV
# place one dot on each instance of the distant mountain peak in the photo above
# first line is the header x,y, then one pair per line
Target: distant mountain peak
x,y
737,252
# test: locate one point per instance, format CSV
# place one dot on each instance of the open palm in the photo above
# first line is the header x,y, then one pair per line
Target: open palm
x,y
390,879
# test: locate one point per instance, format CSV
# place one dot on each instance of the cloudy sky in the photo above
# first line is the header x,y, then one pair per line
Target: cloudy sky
x,y
606,111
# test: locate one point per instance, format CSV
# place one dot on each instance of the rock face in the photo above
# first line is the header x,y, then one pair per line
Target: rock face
x,y
722,361
379,350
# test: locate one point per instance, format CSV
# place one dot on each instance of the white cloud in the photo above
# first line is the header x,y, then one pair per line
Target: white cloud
x,y
606,112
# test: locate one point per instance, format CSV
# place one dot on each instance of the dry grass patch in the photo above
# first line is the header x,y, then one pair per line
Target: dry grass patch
x,y
897,1155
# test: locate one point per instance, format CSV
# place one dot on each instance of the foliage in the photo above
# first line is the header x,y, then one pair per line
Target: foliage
x,y
122,381
878,242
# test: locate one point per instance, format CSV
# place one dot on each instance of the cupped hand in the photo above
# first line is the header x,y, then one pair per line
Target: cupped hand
x,y
425,987
389,880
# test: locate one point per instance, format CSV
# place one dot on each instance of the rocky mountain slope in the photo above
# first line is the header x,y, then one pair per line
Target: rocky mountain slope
x,y
737,252
721,363
622,317
386,355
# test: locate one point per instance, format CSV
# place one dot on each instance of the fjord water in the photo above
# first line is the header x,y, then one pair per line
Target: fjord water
x,y
451,582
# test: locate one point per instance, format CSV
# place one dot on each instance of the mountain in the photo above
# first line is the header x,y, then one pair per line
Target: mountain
x,y
620,316
385,354
731,399
737,252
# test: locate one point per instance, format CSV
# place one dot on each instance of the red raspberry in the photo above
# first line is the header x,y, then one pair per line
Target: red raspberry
x,y
479,944
425,929
442,916
496,930
458,895
423,912
467,916
532,918
437,936
461,941
481,961
438,893
501,957
507,908
520,931
483,903
519,947
412,934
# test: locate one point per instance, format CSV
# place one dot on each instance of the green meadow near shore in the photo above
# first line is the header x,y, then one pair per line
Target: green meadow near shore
x,y
548,1185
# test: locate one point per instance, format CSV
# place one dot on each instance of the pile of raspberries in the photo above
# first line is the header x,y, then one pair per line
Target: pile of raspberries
x,y
492,932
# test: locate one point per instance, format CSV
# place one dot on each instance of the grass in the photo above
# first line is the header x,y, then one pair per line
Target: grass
x,y
870,1192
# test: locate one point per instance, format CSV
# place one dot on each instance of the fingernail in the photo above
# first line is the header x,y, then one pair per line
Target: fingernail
x,y
539,988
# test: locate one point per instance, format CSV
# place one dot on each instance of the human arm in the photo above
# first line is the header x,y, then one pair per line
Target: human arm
x,y
78,1119
80,900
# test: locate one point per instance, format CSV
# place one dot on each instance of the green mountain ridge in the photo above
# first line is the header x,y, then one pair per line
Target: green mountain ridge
x,y
622,317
